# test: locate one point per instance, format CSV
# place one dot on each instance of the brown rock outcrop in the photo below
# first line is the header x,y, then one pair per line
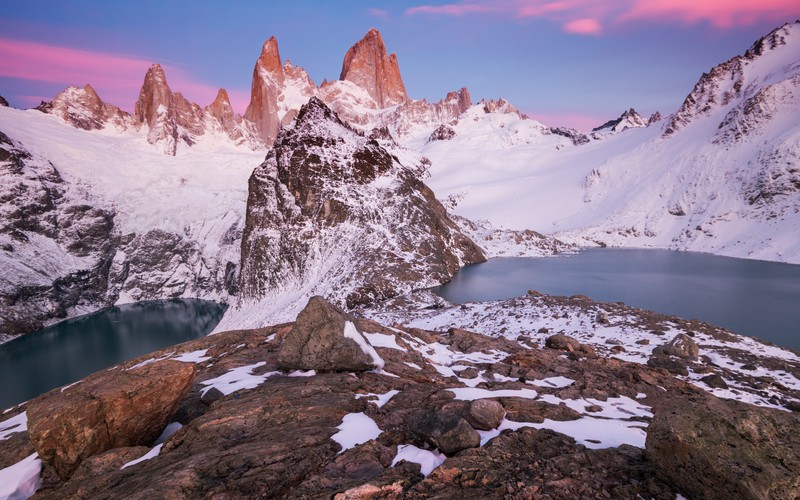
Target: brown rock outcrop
x,y
321,339
708,447
368,66
107,410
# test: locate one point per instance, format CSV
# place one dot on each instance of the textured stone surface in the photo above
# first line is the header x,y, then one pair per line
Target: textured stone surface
x,y
707,447
107,410
446,431
318,342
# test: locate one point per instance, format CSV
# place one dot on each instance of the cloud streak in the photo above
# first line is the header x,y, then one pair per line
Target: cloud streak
x,y
592,17
117,78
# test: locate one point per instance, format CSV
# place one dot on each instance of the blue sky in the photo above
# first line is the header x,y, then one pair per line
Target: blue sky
x,y
566,62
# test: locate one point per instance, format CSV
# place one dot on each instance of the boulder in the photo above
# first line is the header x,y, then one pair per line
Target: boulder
x,y
682,346
446,431
325,338
110,409
571,345
714,380
485,414
708,447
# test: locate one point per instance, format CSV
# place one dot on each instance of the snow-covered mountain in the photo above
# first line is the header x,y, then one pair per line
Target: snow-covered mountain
x,y
720,175
332,212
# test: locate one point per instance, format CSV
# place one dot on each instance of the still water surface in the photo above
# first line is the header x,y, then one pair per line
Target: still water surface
x,y
70,350
751,297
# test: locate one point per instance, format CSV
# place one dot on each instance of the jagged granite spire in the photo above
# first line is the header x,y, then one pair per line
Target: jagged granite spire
x,y
368,66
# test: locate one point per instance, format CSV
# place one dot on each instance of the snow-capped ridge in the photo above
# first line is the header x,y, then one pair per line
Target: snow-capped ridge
x,y
768,61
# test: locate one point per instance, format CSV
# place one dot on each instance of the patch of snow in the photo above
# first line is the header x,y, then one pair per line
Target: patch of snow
x,y
70,385
381,340
619,407
168,431
382,399
594,433
237,379
471,393
193,357
17,423
427,460
154,452
21,480
351,332
553,382
412,365
303,373
355,429
147,362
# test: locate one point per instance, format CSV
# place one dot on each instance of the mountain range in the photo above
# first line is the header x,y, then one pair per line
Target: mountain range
x,y
102,206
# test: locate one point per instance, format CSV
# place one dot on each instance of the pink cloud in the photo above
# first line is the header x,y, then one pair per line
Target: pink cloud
x,y
581,122
585,26
586,17
117,78
719,13
379,13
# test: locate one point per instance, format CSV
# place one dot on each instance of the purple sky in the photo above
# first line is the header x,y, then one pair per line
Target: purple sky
x,y
565,62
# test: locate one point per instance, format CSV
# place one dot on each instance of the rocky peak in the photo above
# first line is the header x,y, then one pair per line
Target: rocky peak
x,y
368,66
628,119
270,60
3,102
170,118
222,110
773,40
83,108
457,101
654,118
724,86
155,93
331,212
268,82
500,106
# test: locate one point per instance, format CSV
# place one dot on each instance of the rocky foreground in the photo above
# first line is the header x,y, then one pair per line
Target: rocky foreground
x,y
333,406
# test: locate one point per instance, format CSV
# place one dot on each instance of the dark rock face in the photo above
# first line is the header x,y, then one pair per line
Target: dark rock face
x,y
446,431
3,102
442,133
321,340
575,136
107,410
55,252
333,211
739,450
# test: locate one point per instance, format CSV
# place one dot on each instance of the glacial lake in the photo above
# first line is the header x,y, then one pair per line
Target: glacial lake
x,y
68,351
755,298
